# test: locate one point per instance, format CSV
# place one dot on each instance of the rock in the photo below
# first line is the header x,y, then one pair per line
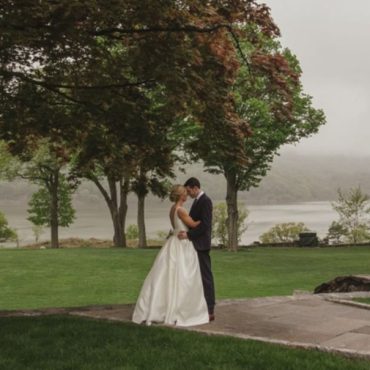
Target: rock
x,y
341,284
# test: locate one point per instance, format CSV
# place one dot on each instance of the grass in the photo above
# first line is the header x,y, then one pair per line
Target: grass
x,y
58,342
362,300
75,277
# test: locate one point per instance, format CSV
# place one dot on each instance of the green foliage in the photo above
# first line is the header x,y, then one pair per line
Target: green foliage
x,y
39,211
276,116
337,233
362,300
132,232
285,232
9,164
269,99
6,233
162,235
354,217
219,223
91,57
37,231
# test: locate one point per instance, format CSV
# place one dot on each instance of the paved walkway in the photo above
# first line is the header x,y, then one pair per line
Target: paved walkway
x,y
327,322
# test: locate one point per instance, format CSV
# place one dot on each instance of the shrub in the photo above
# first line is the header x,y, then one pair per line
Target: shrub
x,y
132,232
6,233
219,223
285,232
354,214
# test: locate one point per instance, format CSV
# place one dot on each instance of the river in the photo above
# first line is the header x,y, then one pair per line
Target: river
x,y
94,220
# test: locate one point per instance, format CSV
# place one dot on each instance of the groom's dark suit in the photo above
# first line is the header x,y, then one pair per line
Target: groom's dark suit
x,y
201,210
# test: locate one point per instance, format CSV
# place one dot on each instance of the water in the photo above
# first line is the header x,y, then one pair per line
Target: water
x,y
94,221
317,216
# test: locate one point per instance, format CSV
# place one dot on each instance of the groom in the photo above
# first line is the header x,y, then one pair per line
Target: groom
x,y
201,210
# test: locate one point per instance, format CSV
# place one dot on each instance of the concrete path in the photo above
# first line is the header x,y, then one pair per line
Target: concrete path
x,y
328,322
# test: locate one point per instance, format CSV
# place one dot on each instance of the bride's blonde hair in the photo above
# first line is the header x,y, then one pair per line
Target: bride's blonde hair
x,y
176,192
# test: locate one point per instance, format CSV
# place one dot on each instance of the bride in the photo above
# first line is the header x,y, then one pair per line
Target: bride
x,y
172,292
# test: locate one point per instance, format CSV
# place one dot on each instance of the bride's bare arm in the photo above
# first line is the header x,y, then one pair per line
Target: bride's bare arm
x,y
186,219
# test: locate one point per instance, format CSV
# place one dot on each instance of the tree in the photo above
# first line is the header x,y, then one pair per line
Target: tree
x,y
115,196
337,232
128,147
6,233
102,62
188,47
45,169
43,164
37,231
270,97
219,223
141,187
40,211
132,233
283,233
354,210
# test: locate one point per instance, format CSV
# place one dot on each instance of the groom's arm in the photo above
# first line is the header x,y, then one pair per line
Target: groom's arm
x,y
206,221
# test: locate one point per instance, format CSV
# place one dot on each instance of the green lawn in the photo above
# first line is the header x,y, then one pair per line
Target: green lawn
x,y
57,342
73,277
362,300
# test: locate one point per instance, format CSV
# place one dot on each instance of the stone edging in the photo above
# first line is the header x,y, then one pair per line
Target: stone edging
x,y
60,310
348,302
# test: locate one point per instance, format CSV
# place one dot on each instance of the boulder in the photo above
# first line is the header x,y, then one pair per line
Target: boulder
x,y
342,284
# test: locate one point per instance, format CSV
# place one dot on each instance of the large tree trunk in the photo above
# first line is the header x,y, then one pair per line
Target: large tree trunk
x,y
119,238
232,211
117,208
141,220
124,190
54,211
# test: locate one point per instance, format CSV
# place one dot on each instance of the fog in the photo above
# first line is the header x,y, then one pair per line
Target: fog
x,y
331,39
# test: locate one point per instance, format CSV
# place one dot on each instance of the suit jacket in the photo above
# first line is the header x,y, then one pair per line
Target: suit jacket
x,y
201,235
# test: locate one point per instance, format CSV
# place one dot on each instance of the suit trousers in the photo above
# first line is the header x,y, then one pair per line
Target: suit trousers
x,y
207,279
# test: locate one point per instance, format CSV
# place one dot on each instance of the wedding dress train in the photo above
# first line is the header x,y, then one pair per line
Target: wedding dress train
x,y
173,292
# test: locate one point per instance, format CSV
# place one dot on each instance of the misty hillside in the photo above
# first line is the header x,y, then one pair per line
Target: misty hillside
x,y
292,179
308,178
298,179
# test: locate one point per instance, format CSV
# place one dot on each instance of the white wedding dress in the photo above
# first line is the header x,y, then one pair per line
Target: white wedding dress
x,y
172,292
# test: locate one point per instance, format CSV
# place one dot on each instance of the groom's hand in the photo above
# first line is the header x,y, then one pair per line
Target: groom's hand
x,y
182,235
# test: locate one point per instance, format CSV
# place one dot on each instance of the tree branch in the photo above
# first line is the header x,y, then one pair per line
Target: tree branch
x,y
105,194
77,87
175,29
155,29
50,87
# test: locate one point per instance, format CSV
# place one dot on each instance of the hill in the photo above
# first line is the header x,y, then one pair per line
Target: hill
x,y
296,178
292,179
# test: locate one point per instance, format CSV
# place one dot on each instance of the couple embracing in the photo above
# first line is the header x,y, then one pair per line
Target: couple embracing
x,y
179,288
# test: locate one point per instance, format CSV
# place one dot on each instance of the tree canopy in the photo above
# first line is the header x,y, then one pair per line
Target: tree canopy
x,y
118,87
190,48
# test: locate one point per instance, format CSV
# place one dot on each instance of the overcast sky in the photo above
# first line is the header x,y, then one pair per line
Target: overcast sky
x,y
331,39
